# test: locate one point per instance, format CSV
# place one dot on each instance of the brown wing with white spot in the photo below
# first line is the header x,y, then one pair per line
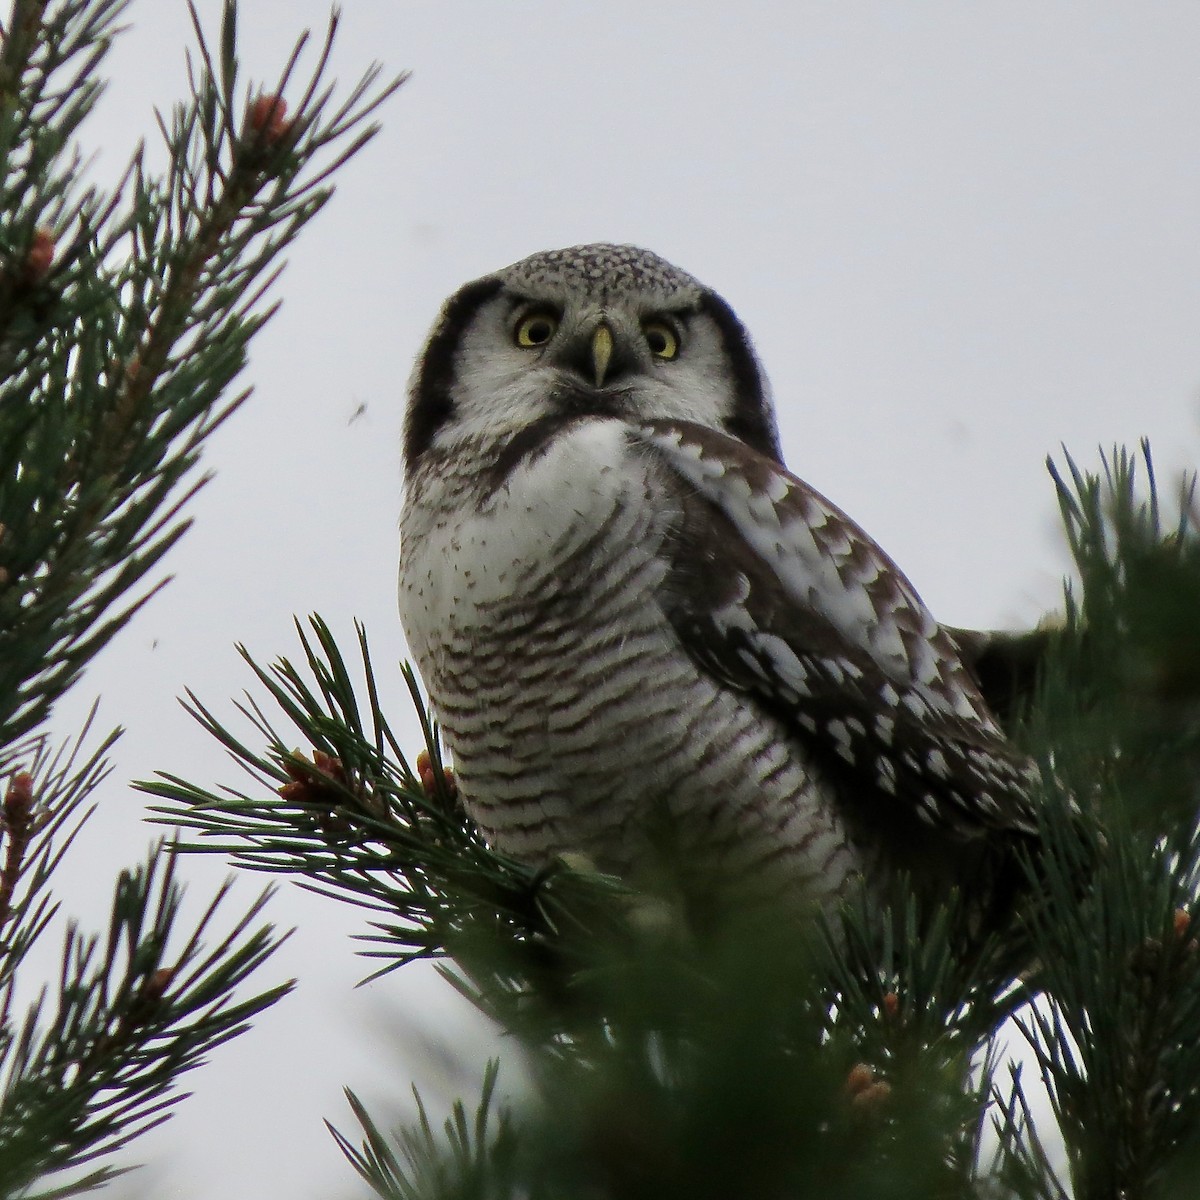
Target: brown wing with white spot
x,y
778,593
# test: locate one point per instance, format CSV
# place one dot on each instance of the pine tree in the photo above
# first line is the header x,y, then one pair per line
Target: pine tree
x,y
125,319
756,1055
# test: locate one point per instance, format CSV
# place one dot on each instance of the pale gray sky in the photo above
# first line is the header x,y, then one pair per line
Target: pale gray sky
x,y
960,234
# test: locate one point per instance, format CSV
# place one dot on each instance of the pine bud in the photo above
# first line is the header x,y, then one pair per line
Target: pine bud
x,y
329,766
40,256
315,781
428,776
267,118
425,773
320,787
156,985
860,1078
18,801
144,1007
866,1092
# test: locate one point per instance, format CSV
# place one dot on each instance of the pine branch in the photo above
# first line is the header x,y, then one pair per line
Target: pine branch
x,y
467,1158
119,348
135,1009
1117,725
37,832
356,822
124,320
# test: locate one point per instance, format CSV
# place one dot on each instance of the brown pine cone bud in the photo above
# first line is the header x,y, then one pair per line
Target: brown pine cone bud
x,y
18,800
40,257
267,118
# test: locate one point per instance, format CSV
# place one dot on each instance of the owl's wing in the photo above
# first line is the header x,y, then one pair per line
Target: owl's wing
x,y
776,592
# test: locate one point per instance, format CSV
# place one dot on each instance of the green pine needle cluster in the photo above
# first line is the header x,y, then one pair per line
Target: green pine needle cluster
x,y
125,318
118,353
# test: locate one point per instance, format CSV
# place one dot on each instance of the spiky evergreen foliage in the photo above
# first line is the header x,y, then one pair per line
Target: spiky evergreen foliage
x,y
1118,722
124,321
755,1052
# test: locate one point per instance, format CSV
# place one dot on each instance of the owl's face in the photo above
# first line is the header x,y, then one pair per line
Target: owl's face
x,y
597,330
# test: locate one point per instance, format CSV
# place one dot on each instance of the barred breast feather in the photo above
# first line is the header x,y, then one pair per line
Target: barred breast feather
x,y
537,609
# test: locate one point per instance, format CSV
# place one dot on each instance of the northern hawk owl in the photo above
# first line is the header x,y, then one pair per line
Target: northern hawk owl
x,y
630,616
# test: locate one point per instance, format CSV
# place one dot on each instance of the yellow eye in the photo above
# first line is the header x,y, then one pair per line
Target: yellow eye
x,y
536,329
661,338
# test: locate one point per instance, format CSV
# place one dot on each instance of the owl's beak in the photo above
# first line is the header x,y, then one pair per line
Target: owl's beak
x,y
602,349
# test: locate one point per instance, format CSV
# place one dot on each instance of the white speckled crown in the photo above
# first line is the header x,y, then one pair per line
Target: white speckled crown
x,y
605,271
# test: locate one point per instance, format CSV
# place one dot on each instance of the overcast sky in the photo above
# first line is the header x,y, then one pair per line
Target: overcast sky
x,y
960,234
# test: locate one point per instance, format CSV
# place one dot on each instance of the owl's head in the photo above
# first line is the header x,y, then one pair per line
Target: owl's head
x,y
589,330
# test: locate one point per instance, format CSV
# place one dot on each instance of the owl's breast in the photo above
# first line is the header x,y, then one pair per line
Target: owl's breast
x,y
567,522
537,621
